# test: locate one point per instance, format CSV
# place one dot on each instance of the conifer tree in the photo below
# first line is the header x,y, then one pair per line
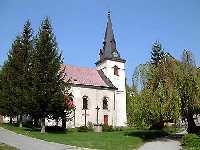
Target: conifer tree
x,y
9,81
23,60
157,53
47,82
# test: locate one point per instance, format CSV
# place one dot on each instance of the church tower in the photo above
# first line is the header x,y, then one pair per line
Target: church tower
x,y
113,66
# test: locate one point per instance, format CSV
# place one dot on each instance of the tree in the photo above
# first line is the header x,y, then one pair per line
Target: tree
x,y
158,100
22,73
188,88
157,53
9,81
48,86
131,96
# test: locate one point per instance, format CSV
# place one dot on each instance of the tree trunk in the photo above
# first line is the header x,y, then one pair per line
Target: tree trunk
x,y
43,125
11,120
191,124
64,122
36,122
20,121
56,122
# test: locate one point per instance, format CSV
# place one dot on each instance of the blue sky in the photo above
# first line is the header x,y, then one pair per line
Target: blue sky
x,y
79,26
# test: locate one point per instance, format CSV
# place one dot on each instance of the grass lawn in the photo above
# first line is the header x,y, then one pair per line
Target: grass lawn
x,y
6,147
118,140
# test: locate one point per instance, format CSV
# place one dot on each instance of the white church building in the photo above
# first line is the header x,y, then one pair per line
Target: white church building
x,y
99,94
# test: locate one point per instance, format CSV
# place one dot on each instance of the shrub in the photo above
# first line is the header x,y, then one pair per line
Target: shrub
x,y
118,129
90,126
28,124
54,129
191,142
72,130
107,128
83,129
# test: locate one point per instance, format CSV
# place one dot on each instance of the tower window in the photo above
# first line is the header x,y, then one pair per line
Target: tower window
x,y
85,102
116,70
105,103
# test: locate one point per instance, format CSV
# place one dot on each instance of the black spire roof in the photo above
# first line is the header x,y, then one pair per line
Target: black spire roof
x,y
109,51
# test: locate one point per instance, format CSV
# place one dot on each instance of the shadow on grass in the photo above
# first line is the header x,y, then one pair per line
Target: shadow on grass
x,y
148,135
49,129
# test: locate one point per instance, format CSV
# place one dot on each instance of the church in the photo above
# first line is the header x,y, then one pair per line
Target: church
x,y
99,94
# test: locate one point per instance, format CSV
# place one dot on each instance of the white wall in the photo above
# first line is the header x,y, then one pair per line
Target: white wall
x,y
95,97
119,82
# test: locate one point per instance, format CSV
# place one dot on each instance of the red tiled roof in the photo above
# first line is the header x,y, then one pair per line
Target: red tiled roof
x,y
84,76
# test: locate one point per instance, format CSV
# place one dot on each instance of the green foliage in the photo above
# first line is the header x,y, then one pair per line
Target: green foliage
x,y
158,100
83,129
188,89
191,142
107,128
14,78
48,85
90,126
168,89
9,81
31,80
157,53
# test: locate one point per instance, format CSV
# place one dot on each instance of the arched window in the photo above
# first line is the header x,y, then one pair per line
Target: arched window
x,y
105,103
85,102
116,70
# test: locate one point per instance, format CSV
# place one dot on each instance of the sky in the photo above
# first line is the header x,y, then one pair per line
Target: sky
x,y
79,26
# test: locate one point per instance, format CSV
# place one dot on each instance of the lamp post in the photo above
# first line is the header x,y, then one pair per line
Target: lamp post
x,y
97,108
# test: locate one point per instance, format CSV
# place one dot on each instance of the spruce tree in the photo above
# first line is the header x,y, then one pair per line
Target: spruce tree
x,y
47,82
23,73
157,56
9,81
17,69
157,53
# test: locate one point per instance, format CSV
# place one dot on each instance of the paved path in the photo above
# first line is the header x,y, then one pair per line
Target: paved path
x,y
162,144
27,143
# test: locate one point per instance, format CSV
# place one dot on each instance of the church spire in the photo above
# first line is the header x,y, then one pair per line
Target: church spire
x,y
109,51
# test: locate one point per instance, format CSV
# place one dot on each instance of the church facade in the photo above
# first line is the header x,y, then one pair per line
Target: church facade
x,y
99,94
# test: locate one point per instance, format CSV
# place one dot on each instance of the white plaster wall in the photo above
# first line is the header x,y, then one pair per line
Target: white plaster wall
x,y
7,119
95,97
119,82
